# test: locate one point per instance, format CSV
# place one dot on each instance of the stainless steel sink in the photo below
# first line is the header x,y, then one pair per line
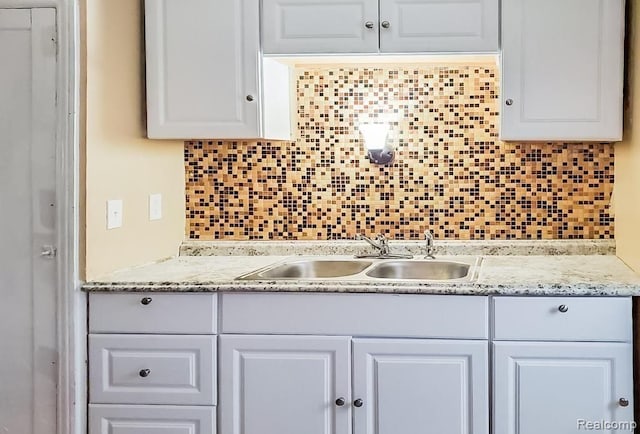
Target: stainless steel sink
x,y
309,269
460,268
422,270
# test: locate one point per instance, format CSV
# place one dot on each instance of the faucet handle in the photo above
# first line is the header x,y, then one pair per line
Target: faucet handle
x,y
430,249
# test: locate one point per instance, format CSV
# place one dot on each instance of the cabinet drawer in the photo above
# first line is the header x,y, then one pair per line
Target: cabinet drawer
x,y
139,369
153,313
379,315
563,318
146,419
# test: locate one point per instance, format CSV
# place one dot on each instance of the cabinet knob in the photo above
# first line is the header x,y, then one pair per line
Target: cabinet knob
x,y
369,24
563,308
386,24
340,402
623,402
509,102
250,98
144,373
146,301
358,403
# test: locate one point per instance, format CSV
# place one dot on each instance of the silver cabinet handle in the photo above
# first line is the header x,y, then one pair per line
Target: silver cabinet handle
x,y
386,24
623,402
369,24
358,403
563,308
509,102
146,301
250,98
144,373
340,402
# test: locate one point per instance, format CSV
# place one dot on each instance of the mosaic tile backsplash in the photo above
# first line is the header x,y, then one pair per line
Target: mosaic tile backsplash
x,y
451,174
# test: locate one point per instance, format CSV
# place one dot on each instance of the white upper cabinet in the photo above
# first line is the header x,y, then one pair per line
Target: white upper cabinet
x,y
372,26
205,77
562,69
320,26
438,26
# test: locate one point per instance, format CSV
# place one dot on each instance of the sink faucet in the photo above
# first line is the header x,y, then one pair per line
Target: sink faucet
x,y
430,248
380,243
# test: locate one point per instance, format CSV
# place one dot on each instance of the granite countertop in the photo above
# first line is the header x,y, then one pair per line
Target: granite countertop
x,y
506,274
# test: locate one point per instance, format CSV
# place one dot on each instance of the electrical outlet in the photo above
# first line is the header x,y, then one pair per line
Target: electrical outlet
x,y
155,207
114,214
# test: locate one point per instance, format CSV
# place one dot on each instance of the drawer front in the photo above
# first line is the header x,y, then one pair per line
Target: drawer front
x,y
379,315
563,318
153,313
139,369
146,419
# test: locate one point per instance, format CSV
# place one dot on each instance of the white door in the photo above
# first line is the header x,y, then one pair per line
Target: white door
x,y
438,26
284,385
28,352
562,69
201,84
319,26
552,387
420,386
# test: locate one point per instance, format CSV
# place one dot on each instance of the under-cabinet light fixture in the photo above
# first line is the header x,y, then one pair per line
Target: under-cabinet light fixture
x,y
375,140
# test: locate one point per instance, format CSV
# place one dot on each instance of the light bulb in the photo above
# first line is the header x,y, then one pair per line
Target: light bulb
x,y
375,135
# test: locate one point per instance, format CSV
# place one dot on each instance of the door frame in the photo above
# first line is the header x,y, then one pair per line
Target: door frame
x,y
71,302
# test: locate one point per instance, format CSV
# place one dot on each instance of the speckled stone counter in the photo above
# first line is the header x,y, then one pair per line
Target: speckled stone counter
x,y
576,275
443,247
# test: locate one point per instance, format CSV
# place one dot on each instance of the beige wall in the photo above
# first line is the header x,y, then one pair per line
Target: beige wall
x,y
120,162
627,188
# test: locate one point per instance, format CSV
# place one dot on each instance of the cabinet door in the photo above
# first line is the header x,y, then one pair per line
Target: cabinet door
x,y
284,385
407,385
558,388
438,26
562,69
320,26
148,419
202,63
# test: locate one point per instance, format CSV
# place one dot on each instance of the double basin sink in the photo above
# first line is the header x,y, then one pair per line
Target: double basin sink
x,y
434,270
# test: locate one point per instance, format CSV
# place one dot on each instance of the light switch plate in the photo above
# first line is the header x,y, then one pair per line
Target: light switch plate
x,y
155,207
114,214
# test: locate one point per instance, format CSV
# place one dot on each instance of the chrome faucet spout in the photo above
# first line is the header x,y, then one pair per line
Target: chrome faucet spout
x,y
381,244
368,240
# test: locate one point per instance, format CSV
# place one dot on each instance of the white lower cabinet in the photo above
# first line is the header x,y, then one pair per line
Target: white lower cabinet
x,y
562,387
152,363
359,364
151,419
544,385
421,386
284,385
294,384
